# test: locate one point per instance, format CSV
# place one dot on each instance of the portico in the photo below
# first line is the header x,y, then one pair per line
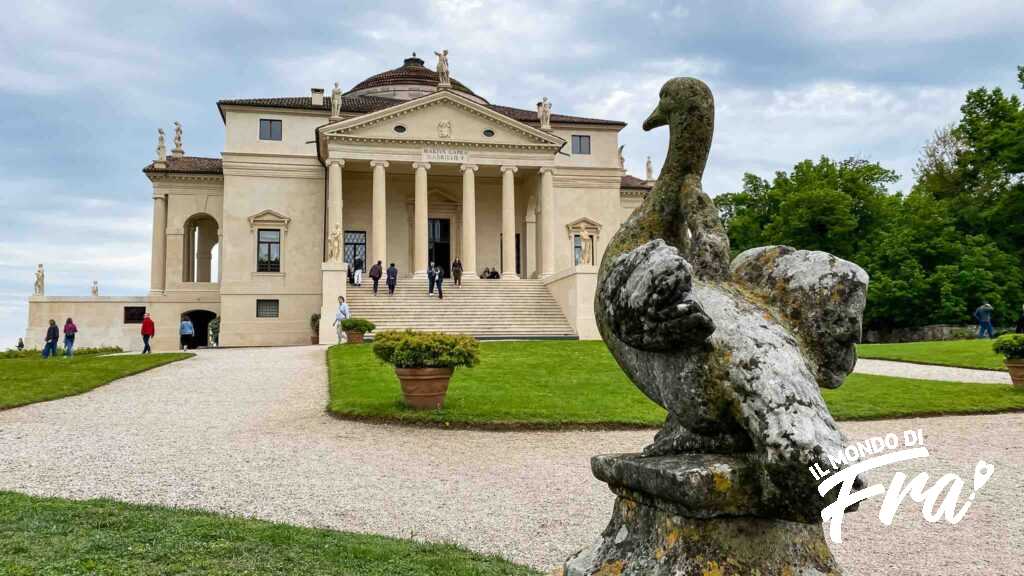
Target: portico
x,y
465,163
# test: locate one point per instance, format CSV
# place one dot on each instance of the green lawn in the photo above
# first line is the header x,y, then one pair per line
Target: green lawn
x,y
32,379
963,353
557,383
55,537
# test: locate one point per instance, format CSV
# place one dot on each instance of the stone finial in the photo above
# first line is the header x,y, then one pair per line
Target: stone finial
x,y
178,151
336,103
649,170
544,113
40,286
95,289
161,150
443,78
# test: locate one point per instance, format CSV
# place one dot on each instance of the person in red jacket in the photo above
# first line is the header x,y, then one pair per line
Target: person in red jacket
x,y
148,331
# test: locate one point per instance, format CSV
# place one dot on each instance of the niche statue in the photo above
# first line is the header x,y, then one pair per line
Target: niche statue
x,y
735,353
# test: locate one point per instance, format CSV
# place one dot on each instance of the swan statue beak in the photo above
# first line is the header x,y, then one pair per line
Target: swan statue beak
x,y
657,118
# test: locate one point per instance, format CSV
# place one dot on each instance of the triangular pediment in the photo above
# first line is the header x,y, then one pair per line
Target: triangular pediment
x,y
442,118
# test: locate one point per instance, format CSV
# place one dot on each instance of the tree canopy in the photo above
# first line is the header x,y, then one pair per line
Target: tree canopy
x,y
934,255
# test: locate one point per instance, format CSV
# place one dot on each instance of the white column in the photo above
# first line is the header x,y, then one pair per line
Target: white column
x,y
335,202
547,222
469,219
508,222
158,263
380,216
419,257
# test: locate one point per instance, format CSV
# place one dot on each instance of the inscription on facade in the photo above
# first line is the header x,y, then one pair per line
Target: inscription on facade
x,y
442,154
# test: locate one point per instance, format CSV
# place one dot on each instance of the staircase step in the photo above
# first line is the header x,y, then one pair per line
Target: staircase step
x,y
487,309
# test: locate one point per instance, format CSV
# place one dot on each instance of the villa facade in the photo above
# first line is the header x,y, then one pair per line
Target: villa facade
x,y
409,166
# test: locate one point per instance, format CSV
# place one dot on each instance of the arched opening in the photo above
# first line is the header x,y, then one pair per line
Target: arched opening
x,y
201,249
201,324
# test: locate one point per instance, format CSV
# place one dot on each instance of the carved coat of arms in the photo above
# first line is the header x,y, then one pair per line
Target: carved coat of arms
x,y
444,129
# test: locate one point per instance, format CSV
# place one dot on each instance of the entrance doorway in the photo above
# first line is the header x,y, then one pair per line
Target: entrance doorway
x,y
439,243
201,324
501,253
355,247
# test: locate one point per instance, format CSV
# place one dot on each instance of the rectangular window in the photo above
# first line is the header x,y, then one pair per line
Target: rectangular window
x,y
270,129
267,308
268,251
580,144
134,314
582,252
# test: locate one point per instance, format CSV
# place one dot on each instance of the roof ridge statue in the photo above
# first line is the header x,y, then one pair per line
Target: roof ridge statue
x,y
735,354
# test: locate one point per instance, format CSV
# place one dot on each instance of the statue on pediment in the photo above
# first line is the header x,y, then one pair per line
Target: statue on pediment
x,y
336,102
161,148
649,169
95,289
178,151
544,113
443,79
40,288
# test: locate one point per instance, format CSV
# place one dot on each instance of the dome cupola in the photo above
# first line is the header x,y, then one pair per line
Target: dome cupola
x,y
410,80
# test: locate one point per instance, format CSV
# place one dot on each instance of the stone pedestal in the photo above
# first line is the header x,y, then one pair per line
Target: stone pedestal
x,y
333,278
696,514
643,540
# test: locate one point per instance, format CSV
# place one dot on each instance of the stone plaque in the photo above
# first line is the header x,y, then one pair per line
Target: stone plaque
x,y
444,154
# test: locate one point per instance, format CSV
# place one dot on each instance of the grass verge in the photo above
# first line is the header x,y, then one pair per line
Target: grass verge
x,y
55,537
958,353
33,379
559,384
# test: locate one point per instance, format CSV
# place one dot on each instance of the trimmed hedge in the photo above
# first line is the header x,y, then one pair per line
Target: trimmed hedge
x,y
357,325
31,352
411,349
1011,346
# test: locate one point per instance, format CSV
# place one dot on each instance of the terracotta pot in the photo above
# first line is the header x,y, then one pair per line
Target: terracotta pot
x,y
1016,368
354,337
424,388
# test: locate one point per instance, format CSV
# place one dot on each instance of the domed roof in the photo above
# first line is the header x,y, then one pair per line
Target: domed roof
x,y
410,80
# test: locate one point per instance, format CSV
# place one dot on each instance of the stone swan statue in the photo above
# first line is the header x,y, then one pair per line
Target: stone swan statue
x,y
734,353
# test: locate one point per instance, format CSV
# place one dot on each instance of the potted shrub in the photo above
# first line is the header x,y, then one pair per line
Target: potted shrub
x,y
1011,346
214,332
355,328
314,323
424,362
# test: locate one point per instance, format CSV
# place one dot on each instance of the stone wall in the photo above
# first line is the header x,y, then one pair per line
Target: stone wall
x,y
920,334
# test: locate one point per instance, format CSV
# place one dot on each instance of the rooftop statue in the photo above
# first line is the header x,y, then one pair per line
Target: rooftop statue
x,y
443,79
178,151
336,103
161,148
735,353
40,284
544,113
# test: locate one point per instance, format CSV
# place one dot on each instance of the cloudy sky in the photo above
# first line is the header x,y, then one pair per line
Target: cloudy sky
x,y
84,86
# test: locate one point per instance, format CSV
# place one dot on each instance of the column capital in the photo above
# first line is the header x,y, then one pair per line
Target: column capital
x,y
546,170
512,169
424,165
338,161
383,163
464,167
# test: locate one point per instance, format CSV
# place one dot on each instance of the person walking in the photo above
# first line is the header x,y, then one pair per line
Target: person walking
x,y
148,332
339,317
1020,322
438,280
431,279
69,337
21,344
52,336
984,317
376,271
186,333
457,272
392,279
357,277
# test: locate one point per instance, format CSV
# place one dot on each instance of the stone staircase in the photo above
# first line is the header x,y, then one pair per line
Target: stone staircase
x,y
487,309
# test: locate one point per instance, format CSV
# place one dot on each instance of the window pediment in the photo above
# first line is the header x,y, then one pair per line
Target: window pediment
x,y
584,227
268,218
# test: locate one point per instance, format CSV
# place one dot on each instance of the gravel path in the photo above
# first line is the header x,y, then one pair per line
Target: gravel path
x,y
244,432
929,372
